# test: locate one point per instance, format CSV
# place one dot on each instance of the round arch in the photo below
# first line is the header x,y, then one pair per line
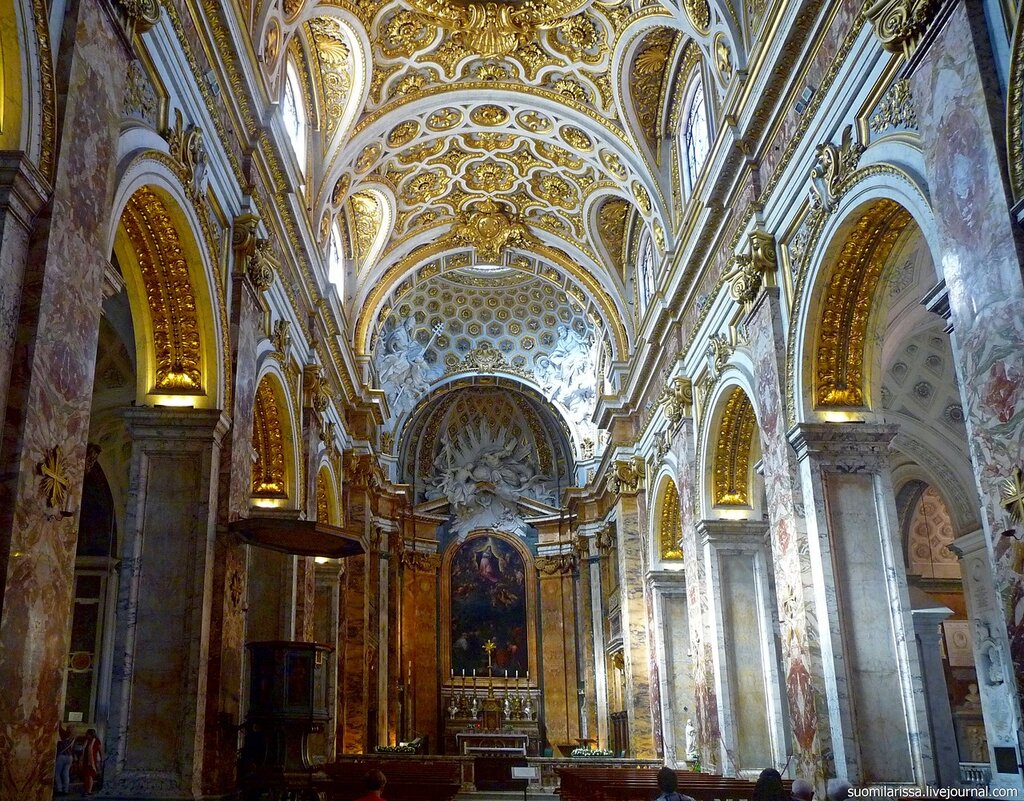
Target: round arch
x,y
881,202
730,442
666,520
276,440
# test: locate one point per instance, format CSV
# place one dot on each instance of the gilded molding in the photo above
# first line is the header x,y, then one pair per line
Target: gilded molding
x,y
846,306
563,564
731,472
1015,115
137,16
268,473
170,296
323,504
896,109
261,265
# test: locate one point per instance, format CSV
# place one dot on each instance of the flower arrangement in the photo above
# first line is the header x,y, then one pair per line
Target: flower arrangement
x,y
394,749
589,753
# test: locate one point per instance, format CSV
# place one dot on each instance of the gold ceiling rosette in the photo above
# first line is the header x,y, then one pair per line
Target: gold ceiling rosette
x,y
497,27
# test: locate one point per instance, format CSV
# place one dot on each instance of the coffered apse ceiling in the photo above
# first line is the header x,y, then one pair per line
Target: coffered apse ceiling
x,y
488,168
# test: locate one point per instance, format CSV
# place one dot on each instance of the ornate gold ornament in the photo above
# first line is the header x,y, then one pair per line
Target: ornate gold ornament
x,y
268,473
282,339
901,24
486,359
576,139
677,399
318,393
626,476
496,27
752,268
896,110
188,149
846,306
563,564
832,166
719,352
698,12
367,216
489,115
490,229
138,16
334,76
170,297
419,562
272,43
323,504
670,529
723,58
647,77
55,480
643,200
443,119
1013,495
611,227
261,265
403,133
732,453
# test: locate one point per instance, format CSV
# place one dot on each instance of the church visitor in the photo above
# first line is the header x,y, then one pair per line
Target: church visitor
x,y
668,782
769,786
373,784
802,790
91,760
65,756
838,790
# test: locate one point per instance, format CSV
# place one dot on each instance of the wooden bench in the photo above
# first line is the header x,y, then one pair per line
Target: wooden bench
x,y
641,784
408,778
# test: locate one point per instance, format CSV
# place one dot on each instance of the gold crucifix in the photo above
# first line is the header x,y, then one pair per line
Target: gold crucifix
x,y
1013,495
489,646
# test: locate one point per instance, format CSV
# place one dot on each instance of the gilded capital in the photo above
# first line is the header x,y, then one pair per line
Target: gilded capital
x,y
901,24
677,399
261,265
138,16
626,476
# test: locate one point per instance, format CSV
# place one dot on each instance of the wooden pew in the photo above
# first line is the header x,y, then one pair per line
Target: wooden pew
x,y
641,784
408,778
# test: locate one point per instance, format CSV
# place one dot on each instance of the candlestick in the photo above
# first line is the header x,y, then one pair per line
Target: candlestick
x,y
517,673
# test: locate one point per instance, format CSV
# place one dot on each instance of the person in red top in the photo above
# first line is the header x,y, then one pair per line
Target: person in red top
x,y
91,759
373,783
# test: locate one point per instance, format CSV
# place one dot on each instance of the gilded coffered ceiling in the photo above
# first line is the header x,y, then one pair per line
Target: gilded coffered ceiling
x,y
497,133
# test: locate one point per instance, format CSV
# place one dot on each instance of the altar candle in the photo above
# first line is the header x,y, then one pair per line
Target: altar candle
x,y
517,673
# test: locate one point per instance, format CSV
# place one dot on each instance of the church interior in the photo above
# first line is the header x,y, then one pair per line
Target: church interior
x,y
511,392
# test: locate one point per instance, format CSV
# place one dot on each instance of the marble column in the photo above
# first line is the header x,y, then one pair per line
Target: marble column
x,y
164,604
595,553
991,652
230,577
325,630
928,616
672,643
353,659
557,644
961,121
23,190
797,607
420,636
635,637
57,288
587,556
705,705
872,675
743,633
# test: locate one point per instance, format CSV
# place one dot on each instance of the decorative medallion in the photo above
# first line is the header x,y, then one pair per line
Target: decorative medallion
x,y
489,115
56,484
490,229
491,28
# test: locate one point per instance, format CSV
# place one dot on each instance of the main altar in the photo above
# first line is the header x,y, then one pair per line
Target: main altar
x,y
491,716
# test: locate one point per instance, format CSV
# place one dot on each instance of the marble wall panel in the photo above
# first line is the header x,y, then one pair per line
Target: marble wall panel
x,y
420,639
51,376
801,650
868,636
705,708
980,261
558,655
352,681
743,652
680,673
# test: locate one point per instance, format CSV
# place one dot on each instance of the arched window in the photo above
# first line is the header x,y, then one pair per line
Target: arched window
x,y
336,261
294,111
696,142
645,272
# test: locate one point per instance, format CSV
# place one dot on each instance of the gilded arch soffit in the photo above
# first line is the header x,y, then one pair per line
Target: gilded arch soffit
x,y
731,466
849,294
178,359
269,473
670,522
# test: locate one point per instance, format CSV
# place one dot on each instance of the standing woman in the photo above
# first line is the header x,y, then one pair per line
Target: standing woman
x,y
91,759
65,748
